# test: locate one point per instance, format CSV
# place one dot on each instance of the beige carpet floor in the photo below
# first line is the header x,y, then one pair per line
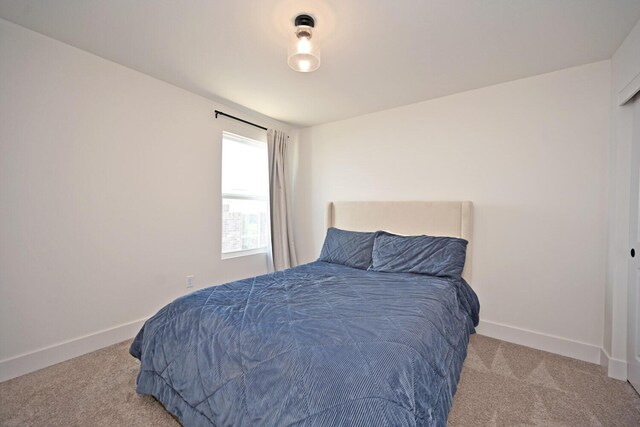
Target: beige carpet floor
x,y
502,384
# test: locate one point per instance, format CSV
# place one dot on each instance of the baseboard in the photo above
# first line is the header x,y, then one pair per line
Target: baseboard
x,y
38,359
615,368
604,359
538,340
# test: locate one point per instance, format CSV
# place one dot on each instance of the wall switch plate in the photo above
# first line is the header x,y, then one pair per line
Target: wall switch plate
x,y
189,281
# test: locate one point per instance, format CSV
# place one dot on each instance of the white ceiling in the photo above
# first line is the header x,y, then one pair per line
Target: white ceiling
x,y
376,54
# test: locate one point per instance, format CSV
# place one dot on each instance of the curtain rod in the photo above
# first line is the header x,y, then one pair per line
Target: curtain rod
x,y
238,119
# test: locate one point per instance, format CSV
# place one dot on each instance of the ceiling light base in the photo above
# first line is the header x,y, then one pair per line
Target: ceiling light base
x,y
306,20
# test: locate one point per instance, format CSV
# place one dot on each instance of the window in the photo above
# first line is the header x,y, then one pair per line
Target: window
x,y
245,189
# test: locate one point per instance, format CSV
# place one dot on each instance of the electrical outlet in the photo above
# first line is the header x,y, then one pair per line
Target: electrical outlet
x,y
189,281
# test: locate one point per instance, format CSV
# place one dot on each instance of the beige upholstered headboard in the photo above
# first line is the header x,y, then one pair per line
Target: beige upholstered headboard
x,y
452,219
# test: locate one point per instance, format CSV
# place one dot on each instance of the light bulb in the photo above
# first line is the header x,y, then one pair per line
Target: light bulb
x,y
304,45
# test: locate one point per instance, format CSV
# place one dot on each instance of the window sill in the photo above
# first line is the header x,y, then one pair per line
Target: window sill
x,y
238,254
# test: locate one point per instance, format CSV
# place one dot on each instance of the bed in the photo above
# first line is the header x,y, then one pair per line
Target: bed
x,y
324,343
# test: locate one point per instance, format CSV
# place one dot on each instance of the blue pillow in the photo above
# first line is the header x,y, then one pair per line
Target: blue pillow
x,y
435,256
351,248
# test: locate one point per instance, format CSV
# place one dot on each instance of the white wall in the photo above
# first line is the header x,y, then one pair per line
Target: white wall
x,y
625,67
109,197
532,156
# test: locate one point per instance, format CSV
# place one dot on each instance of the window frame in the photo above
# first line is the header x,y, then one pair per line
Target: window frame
x,y
236,196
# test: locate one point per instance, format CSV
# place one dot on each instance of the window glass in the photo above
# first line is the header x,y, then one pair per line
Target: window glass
x,y
245,210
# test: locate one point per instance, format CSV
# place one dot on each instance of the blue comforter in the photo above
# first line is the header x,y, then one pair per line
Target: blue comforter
x,y
320,344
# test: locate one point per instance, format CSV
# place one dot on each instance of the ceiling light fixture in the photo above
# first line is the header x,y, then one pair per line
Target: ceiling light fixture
x,y
304,54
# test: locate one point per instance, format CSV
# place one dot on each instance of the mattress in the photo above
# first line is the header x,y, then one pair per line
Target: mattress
x,y
320,344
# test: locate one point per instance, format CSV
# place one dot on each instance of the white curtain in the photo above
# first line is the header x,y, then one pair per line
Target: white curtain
x,y
283,252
